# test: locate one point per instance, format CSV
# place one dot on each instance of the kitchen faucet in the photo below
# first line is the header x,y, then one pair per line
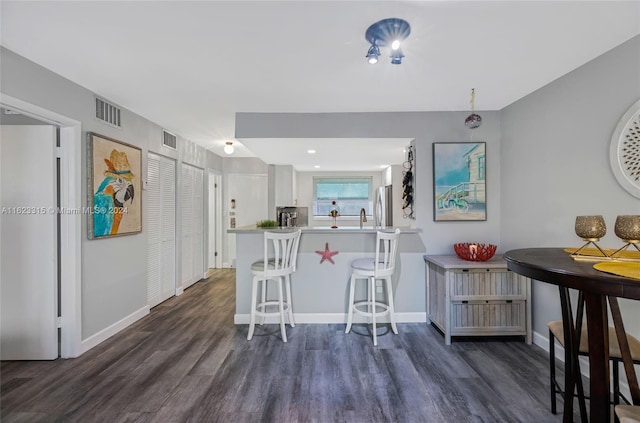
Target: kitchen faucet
x,y
363,216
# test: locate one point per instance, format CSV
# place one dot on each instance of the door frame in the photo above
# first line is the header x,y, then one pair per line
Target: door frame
x,y
70,153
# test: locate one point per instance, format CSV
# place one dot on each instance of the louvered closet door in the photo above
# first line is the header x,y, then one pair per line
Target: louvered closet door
x,y
186,207
161,229
192,207
168,248
198,224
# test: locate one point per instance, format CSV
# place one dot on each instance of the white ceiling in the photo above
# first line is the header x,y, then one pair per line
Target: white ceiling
x,y
331,154
190,66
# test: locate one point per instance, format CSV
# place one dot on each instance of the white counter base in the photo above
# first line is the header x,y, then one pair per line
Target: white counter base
x,y
320,290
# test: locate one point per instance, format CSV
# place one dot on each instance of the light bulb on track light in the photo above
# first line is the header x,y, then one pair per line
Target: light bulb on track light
x,y
228,147
396,57
373,54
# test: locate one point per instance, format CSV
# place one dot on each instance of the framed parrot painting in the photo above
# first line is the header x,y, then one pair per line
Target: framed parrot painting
x,y
115,188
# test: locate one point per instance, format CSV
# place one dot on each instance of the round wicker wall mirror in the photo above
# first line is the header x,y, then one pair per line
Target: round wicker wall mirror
x,y
624,153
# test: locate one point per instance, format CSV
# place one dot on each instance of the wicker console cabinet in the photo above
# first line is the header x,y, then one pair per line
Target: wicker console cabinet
x,y
466,298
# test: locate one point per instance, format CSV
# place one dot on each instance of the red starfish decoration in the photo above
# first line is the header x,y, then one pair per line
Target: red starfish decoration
x,y
326,254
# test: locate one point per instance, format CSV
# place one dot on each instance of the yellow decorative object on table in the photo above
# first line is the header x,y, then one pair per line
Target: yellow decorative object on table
x,y
593,254
590,229
629,270
628,230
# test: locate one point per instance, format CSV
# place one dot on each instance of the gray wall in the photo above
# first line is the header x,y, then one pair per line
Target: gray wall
x,y
555,164
425,128
114,271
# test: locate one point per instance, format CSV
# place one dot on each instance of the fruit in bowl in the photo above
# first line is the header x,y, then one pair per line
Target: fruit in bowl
x,y
474,251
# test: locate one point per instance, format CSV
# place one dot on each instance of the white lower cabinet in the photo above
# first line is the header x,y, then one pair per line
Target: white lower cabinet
x,y
466,298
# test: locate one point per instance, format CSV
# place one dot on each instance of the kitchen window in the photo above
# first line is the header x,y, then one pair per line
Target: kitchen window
x,y
350,195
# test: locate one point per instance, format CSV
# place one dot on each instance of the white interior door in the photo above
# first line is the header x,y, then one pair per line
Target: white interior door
x,y
28,247
192,208
161,229
248,194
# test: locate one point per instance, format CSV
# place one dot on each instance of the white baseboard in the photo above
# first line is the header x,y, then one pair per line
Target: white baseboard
x,y
108,332
543,342
318,318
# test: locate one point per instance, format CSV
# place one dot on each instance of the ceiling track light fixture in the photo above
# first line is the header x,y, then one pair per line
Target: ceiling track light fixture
x,y
228,147
388,32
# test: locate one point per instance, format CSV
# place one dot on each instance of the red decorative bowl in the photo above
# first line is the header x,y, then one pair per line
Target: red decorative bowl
x,y
474,251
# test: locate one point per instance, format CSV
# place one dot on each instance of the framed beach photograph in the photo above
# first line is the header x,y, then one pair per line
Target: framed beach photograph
x,y
459,181
114,187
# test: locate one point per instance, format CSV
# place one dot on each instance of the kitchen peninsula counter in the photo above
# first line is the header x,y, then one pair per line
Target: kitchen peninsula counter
x,y
323,229
319,290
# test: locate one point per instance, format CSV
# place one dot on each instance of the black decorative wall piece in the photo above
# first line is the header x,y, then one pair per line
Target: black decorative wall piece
x,y
407,186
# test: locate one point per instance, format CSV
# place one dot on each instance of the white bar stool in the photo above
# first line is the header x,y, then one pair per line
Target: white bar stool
x,y
278,269
380,267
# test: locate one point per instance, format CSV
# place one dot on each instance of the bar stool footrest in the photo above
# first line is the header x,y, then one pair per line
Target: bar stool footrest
x,y
367,304
276,303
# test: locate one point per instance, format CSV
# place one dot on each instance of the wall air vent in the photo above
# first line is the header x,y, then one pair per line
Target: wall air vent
x,y
169,140
108,113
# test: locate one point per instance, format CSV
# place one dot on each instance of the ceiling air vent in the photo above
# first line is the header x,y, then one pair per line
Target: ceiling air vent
x,y
169,140
107,113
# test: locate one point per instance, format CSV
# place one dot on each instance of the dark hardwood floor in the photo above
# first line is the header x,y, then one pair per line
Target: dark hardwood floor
x,y
188,362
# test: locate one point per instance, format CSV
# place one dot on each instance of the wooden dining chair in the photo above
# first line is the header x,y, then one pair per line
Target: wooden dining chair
x,y
556,332
628,413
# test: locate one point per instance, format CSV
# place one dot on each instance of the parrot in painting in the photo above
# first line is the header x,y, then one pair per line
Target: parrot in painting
x,y
111,197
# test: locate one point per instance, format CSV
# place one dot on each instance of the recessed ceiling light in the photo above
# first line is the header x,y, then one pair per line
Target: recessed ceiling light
x,y
311,151
317,167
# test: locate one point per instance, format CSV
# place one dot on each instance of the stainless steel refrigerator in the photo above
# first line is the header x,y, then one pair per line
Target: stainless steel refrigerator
x,y
383,207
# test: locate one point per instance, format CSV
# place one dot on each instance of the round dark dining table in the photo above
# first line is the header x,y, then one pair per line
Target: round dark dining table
x,y
557,267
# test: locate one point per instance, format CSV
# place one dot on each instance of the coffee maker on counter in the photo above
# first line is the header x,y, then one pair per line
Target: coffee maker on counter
x,y
292,216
